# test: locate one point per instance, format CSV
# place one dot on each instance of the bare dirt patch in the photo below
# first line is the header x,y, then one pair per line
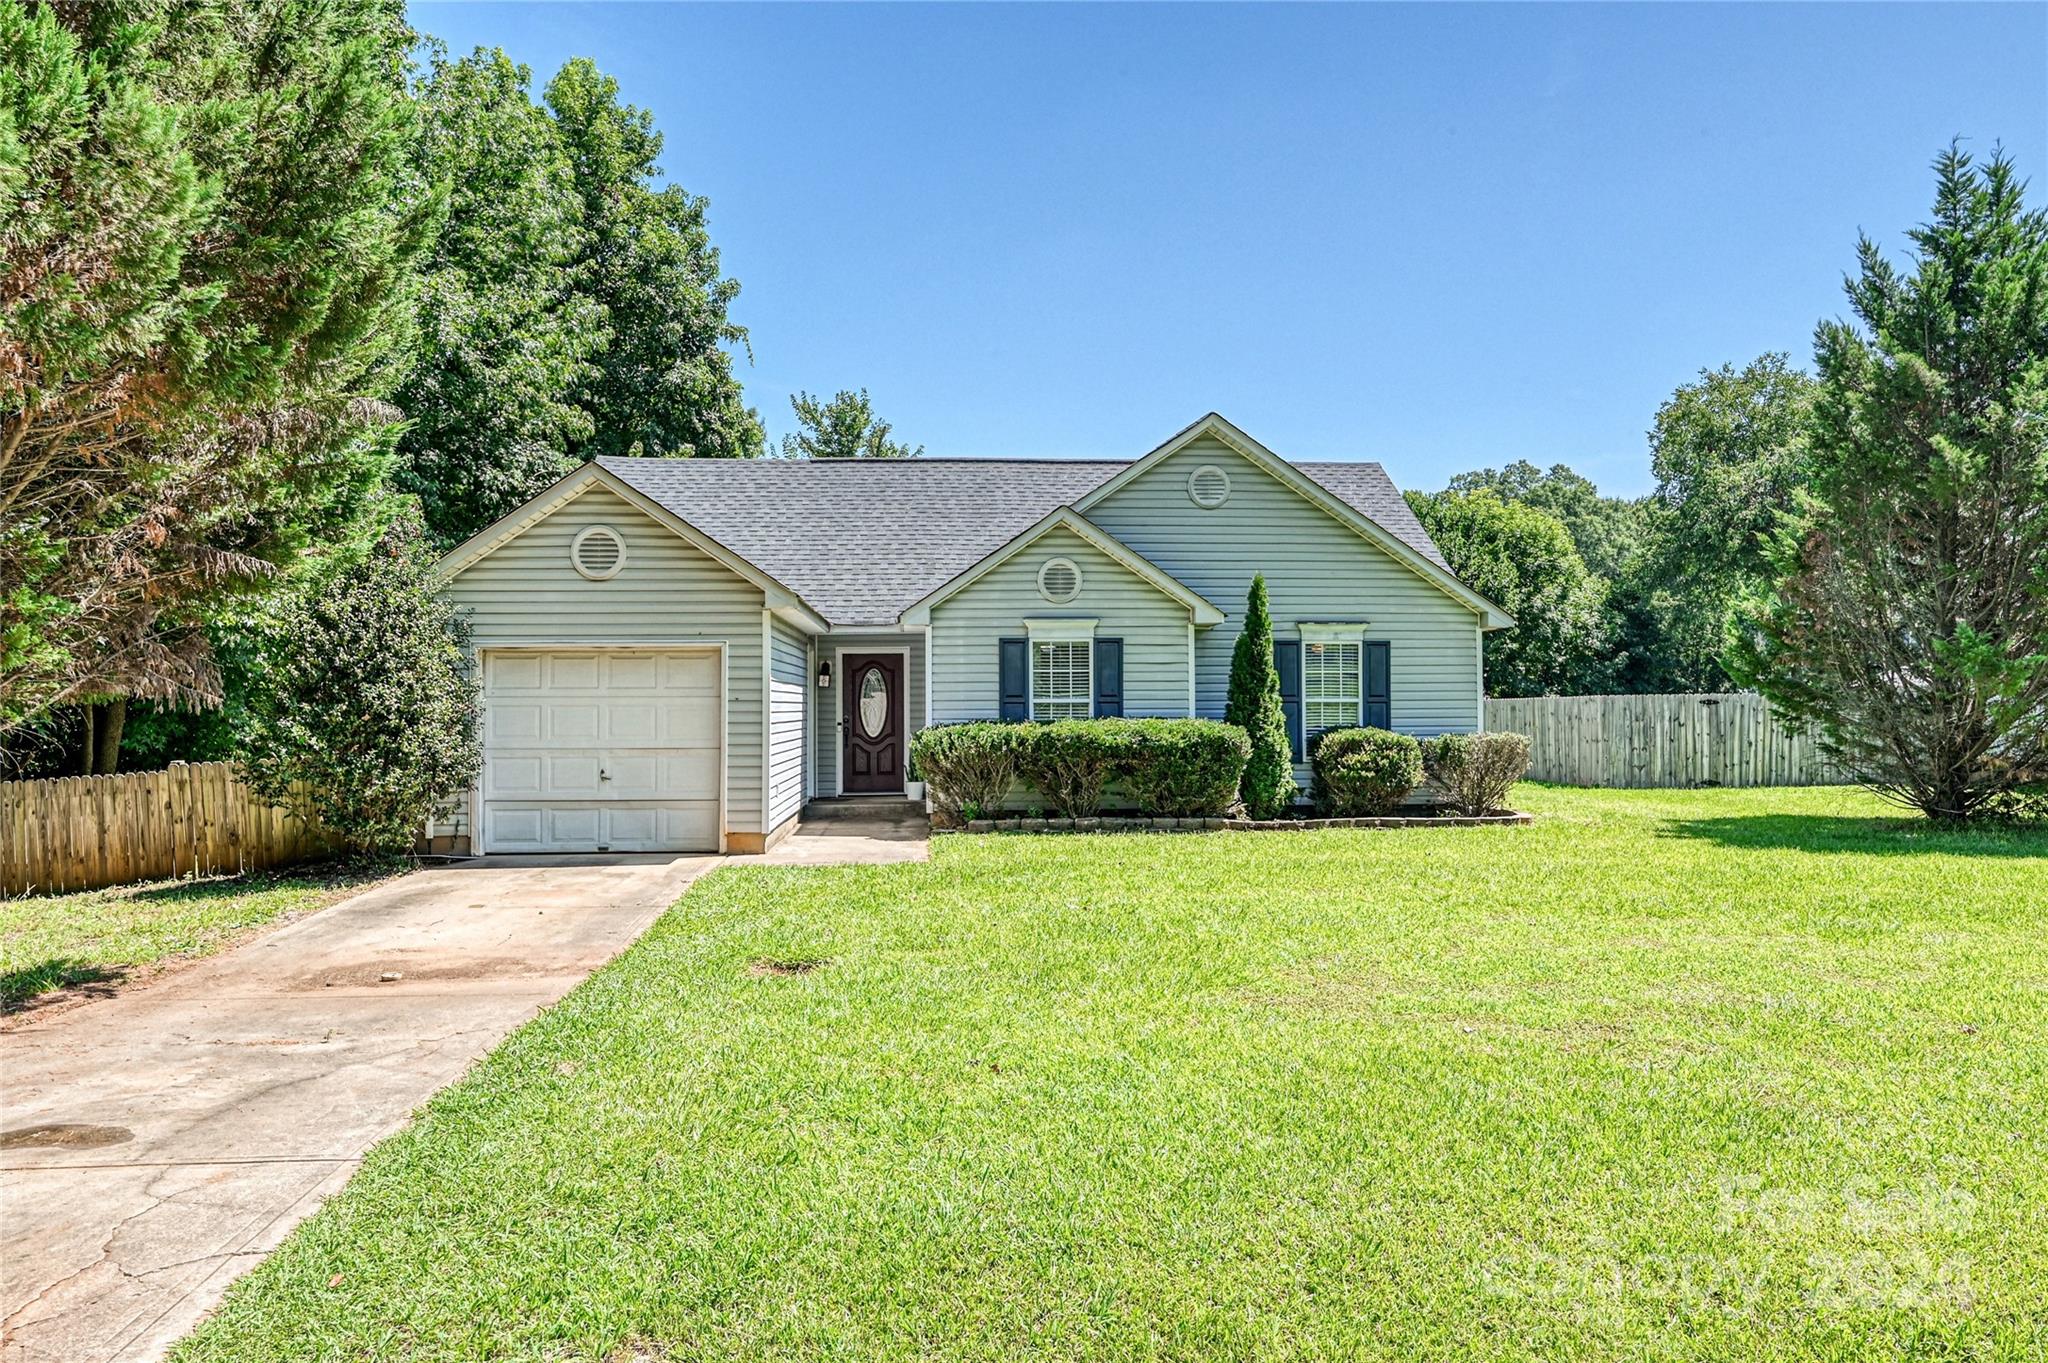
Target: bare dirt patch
x,y
764,966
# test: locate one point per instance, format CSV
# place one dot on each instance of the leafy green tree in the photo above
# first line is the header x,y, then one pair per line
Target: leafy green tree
x,y
1909,621
1253,705
206,227
662,382
844,428
1729,451
507,330
364,711
1524,559
1607,531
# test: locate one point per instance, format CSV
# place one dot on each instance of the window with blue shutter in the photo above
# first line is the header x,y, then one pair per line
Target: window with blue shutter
x,y
1379,695
1287,662
1109,678
1015,669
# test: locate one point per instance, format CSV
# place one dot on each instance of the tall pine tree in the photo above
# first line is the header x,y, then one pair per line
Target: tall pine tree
x,y
1910,620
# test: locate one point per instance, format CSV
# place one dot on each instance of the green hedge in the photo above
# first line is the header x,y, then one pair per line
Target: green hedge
x,y
968,768
1363,772
1167,767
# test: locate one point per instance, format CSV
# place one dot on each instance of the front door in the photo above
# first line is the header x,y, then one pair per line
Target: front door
x,y
871,714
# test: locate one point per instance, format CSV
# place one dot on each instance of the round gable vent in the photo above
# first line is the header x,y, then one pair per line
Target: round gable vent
x,y
598,552
1059,581
1208,487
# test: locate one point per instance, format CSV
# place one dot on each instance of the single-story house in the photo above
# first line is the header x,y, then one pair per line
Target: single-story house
x,y
678,654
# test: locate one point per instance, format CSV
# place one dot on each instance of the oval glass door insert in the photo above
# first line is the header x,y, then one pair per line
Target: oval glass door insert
x,y
874,702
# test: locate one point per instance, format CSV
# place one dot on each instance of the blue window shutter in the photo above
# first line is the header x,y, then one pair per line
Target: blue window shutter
x,y
1379,699
1109,678
1287,662
1016,678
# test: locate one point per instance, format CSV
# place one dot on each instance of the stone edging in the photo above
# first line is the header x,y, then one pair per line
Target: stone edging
x,y
1130,825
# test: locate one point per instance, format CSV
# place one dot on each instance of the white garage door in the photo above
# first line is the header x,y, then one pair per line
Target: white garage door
x,y
593,751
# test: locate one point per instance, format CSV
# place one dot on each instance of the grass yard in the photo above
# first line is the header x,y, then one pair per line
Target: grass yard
x,y
1702,1075
103,936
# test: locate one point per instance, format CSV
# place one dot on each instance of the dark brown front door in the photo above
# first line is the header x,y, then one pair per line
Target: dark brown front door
x,y
871,714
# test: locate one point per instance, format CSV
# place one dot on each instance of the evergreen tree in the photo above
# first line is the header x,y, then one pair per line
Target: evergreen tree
x,y
506,330
844,428
1909,624
1253,704
662,383
206,230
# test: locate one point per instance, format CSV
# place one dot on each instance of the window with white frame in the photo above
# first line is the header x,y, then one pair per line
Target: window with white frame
x,y
1332,676
1062,668
1062,683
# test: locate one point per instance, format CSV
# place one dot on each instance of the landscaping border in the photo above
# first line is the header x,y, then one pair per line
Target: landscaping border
x,y
1112,824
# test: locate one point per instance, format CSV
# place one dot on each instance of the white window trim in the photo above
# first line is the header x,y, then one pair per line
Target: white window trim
x,y
1055,631
1059,632
1329,632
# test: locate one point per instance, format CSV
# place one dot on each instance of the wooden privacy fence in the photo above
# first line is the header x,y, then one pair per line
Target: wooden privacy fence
x,y
1728,739
80,832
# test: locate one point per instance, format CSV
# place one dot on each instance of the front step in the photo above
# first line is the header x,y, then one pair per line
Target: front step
x,y
893,809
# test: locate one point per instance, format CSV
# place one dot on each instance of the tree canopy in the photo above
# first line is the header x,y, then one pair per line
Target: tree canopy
x,y
507,329
662,382
1523,558
207,224
844,428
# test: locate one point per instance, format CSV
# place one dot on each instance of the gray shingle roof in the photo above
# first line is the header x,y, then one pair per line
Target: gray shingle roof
x,y
863,540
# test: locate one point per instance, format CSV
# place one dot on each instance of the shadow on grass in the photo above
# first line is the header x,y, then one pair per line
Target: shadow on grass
x,y
1870,836
21,988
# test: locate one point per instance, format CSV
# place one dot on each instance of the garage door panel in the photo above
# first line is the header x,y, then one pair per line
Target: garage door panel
x,y
690,674
594,750
513,722
632,723
624,672
573,671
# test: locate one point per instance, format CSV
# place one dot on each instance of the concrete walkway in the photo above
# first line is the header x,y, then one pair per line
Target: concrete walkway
x,y
156,1145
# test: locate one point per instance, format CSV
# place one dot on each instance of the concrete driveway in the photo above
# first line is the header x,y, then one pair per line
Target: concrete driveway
x,y
156,1145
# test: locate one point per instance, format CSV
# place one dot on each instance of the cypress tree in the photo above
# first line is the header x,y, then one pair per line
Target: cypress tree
x,y
1254,706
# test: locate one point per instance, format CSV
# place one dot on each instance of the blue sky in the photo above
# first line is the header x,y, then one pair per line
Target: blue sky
x,y
1438,236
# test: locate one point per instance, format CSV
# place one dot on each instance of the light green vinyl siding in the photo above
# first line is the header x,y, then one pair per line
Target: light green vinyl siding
x,y
965,628
669,592
1317,569
788,675
825,737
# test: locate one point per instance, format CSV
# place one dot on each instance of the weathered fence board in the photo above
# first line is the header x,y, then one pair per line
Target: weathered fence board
x,y
1729,739
80,832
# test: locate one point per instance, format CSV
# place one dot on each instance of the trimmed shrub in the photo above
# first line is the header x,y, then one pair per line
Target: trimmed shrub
x,y
1072,761
1363,772
968,768
1474,771
1253,704
1185,768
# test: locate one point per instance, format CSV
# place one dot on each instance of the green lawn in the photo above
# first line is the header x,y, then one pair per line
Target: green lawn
x,y
103,936
1728,1075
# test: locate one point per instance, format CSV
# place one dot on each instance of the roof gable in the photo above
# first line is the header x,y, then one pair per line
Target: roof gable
x,y
1200,610
499,533
1419,555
